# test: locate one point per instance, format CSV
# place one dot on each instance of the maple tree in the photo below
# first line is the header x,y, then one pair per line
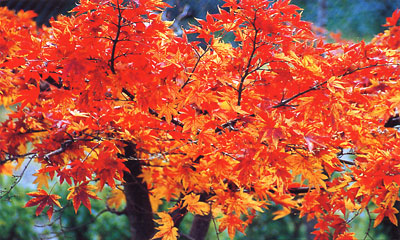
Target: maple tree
x,y
111,96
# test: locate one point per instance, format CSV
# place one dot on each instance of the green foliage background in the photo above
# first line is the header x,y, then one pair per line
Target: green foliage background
x,y
357,20
17,222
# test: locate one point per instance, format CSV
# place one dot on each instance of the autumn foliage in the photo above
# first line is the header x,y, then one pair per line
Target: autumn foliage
x,y
111,96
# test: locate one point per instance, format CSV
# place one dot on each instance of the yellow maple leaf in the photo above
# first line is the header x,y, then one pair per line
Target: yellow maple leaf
x,y
77,113
395,100
281,213
229,106
333,83
116,199
193,204
246,200
155,202
351,206
309,63
168,111
6,168
166,229
42,179
220,47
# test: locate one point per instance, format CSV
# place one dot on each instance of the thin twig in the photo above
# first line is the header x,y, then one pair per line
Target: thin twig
x,y
369,224
284,102
18,177
70,229
188,80
214,223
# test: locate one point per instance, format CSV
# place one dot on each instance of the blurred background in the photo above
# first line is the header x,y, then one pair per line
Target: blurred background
x,y
356,20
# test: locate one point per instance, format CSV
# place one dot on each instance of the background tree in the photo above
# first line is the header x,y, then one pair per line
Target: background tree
x,y
356,20
110,96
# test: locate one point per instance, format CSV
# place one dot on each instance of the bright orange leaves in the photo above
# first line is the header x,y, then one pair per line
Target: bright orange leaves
x,y
220,128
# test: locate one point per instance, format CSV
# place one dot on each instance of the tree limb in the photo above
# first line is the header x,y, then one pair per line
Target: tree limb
x,y
60,150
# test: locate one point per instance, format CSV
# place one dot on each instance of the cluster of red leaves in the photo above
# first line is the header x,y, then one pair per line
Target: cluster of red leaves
x,y
245,125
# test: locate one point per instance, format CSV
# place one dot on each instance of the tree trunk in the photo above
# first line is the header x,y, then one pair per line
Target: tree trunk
x,y
310,227
138,207
200,226
322,14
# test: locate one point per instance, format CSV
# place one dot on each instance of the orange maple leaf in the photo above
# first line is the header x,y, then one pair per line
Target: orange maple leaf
x,y
281,213
233,223
389,212
81,194
346,236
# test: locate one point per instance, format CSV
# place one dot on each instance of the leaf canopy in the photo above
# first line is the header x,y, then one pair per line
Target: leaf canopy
x,y
243,125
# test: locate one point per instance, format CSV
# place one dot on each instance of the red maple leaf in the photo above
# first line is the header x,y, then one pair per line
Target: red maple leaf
x,y
43,199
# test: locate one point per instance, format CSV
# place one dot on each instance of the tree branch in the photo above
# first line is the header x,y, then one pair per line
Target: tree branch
x,y
15,157
286,101
116,39
347,162
317,86
300,190
173,120
247,72
60,150
194,68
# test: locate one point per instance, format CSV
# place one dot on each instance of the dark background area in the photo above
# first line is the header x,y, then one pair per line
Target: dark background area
x,y
44,8
356,20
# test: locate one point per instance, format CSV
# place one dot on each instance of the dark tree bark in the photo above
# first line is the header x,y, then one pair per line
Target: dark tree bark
x,y
179,213
392,121
200,226
138,207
